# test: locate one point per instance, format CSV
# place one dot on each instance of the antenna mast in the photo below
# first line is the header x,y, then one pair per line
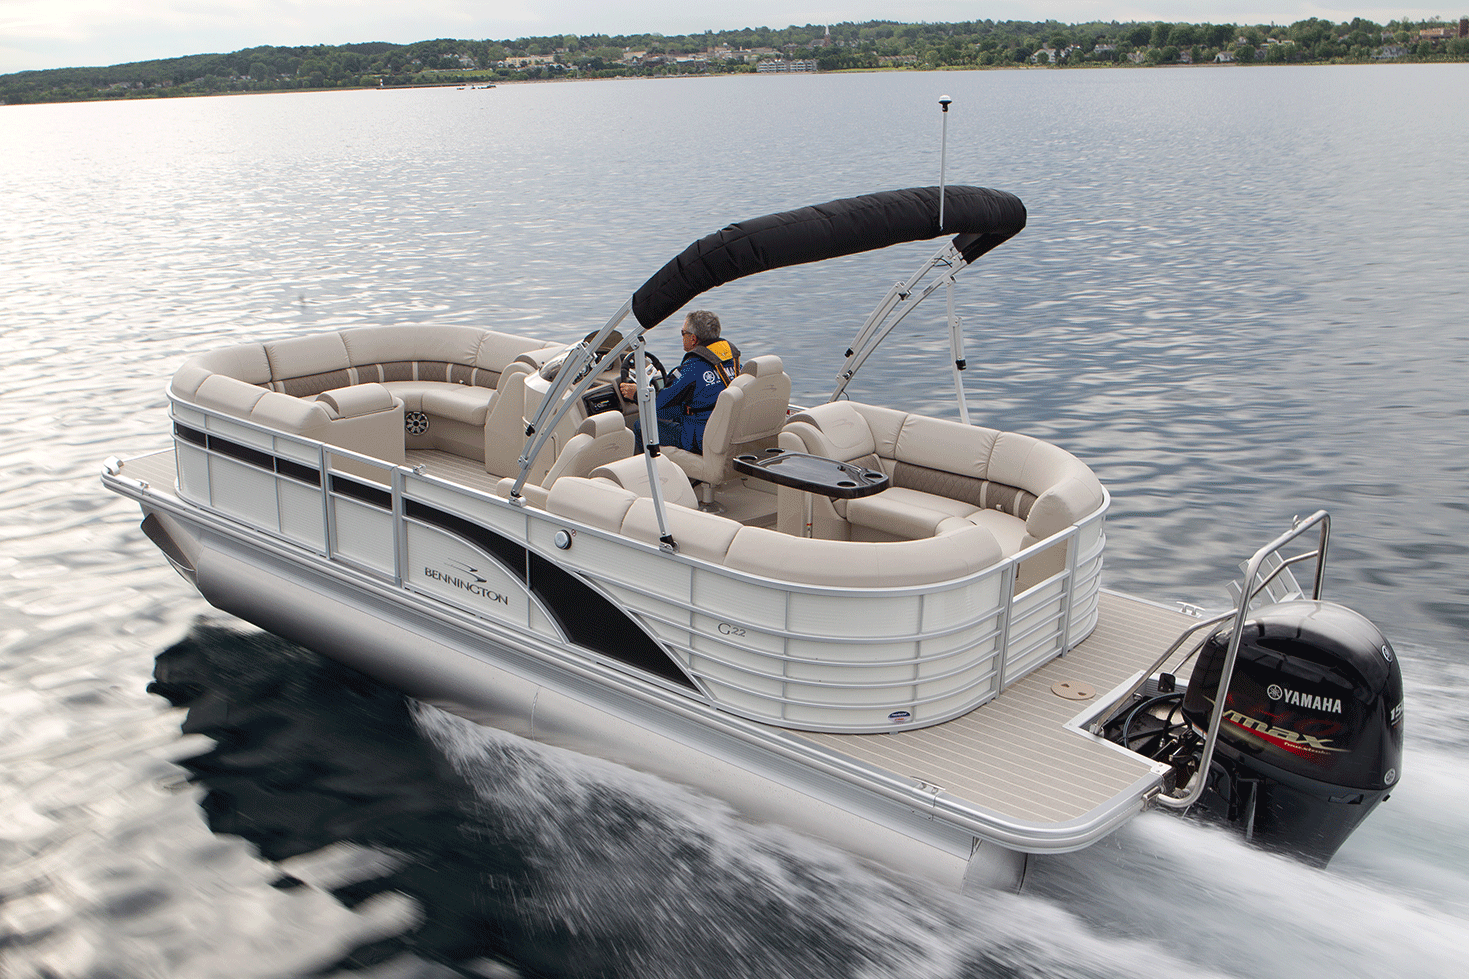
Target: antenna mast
x,y
956,333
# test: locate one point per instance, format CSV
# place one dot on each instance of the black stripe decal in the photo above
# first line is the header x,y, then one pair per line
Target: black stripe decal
x,y
580,610
249,456
362,492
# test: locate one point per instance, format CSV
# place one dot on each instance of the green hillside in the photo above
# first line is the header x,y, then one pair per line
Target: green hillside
x,y
835,47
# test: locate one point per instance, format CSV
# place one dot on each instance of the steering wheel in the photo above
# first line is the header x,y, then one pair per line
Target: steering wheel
x,y
625,375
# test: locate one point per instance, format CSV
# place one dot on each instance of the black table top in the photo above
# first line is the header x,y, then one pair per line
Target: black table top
x,y
814,474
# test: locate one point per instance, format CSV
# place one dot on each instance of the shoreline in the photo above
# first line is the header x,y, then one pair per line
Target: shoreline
x,y
152,94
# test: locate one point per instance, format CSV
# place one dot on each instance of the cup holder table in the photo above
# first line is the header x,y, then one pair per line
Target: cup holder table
x,y
811,473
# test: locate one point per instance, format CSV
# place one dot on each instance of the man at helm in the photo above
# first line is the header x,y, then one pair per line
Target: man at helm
x,y
708,366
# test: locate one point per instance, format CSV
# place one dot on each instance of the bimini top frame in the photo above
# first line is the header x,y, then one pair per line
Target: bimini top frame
x,y
979,218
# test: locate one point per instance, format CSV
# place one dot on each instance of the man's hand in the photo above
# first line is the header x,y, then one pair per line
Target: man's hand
x,y
629,391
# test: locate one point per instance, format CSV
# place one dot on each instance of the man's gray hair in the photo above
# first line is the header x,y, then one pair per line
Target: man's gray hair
x,y
704,325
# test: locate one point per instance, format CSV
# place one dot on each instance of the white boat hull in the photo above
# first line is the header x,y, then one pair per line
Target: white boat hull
x,y
437,660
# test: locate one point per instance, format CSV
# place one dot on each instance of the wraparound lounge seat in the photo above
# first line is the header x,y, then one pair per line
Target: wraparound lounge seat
x,y
945,476
600,502
449,373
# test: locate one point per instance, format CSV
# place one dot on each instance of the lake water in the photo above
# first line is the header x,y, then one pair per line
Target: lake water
x,y
1241,296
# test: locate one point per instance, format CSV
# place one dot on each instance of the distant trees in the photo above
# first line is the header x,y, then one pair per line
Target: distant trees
x,y
868,45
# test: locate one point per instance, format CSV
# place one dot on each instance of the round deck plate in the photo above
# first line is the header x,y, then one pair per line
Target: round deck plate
x,y
1073,690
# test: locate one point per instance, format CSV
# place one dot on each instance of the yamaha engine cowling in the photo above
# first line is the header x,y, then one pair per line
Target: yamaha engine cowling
x,y
1311,738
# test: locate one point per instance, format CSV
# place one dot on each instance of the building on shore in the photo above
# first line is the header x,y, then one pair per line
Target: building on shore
x,y
783,65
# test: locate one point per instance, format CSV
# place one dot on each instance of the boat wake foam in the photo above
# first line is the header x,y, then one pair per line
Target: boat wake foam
x,y
646,878
1204,895
520,858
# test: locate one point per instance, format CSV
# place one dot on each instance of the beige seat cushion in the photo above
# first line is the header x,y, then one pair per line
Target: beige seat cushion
x,y
905,513
698,534
600,439
632,474
866,564
840,432
597,503
461,402
359,399
1008,530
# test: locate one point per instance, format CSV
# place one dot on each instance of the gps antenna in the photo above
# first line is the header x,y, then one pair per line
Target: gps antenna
x,y
944,101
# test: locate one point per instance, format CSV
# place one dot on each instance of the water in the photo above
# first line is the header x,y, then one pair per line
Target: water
x,y
1240,297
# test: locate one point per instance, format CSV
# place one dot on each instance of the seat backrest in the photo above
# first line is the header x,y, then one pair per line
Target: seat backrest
x,y
505,425
747,418
601,439
838,431
766,397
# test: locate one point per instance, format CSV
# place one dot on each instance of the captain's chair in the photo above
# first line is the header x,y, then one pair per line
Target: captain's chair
x,y
747,418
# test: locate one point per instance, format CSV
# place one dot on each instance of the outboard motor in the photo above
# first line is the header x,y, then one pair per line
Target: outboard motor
x,y
1311,738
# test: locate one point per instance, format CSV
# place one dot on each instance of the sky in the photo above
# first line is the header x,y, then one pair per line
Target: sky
x,y
74,33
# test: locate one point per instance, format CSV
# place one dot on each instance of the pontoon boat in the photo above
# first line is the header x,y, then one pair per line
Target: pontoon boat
x,y
883,629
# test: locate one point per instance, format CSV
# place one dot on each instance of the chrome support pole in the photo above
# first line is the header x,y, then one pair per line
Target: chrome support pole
x,y
947,255
1072,545
400,529
648,416
577,374
956,348
1007,607
328,512
868,337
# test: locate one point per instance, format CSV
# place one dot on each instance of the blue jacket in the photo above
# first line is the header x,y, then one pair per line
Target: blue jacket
x,y
688,400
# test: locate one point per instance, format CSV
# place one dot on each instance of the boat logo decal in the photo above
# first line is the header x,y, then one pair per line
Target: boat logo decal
x,y
1331,705
900,717
476,586
471,571
1304,745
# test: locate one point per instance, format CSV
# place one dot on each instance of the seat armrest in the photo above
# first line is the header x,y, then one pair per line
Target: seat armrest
x,y
359,399
1064,504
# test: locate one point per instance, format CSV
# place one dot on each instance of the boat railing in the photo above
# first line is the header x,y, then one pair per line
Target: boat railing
x,y
1263,569
764,667
797,654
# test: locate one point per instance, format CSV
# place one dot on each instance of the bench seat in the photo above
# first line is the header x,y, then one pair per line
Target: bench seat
x,y
465,403
450,373
945,476
961,549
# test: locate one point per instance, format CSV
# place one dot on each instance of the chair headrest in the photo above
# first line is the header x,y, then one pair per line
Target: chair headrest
x,y
602,424
765,365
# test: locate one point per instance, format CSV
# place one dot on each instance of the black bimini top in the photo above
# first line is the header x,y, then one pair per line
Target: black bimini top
x,y
979,218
